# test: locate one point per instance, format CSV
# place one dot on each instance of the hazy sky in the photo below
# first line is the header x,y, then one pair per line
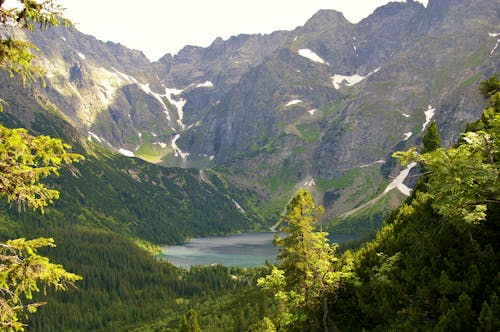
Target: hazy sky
x,y
157,27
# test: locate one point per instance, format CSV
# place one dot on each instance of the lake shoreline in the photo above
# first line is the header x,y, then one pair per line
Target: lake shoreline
x,y
244,249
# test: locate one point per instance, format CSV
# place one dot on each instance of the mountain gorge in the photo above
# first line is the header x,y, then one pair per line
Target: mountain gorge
x,y
324,105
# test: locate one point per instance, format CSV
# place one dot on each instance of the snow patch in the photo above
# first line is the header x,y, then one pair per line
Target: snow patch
x,y
397,183
126,153
161,144
293,102
239,207
428,116
169,93
147,89
406,115
495,48
309,183
63,38
178,104
307,53
178,152
407,135
350,80
210,157
109,82
94,136
375,162
312,111
206,84
153,134
494,35
81,55
127,78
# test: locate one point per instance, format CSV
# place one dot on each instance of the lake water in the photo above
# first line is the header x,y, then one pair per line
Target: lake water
x,y
242,250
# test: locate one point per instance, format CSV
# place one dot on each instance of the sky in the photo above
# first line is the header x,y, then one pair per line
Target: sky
x,y
157,27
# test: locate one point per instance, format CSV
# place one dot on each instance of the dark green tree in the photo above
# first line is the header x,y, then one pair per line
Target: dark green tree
x,y
490,86
431,140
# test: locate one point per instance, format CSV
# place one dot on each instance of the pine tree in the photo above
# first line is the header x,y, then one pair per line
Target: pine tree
x,y
431,140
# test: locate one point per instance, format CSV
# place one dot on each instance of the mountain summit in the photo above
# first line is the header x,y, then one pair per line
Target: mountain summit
x,y
324,105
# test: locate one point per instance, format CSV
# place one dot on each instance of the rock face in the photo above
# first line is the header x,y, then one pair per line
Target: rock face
x,y
372,83
315,102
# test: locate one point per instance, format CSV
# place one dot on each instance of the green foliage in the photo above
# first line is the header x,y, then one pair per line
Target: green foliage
x,y
16,58
190,322
434,265
137,199
124,286
15,55
265,325
431,140
126,289
22,272
309,133
308,268
490,86
464,180
24,160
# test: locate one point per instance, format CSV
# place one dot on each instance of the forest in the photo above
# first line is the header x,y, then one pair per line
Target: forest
x,y
433,265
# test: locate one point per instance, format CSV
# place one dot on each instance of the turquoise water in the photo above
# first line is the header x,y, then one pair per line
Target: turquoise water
x,y
242,250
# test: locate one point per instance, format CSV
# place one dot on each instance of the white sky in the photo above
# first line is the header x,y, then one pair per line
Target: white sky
x,y
157,27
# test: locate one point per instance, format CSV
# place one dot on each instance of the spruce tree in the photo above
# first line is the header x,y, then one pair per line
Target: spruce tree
x,y
431,140
24,161
308,269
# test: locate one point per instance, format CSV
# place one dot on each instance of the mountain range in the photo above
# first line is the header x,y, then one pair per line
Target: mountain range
x,y
323,106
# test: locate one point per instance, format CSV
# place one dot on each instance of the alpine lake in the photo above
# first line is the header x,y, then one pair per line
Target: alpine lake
x,y
249,249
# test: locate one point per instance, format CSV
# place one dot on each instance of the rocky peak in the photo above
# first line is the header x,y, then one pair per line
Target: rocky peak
x,y
323,99
326,18
395,8
453,15
388,30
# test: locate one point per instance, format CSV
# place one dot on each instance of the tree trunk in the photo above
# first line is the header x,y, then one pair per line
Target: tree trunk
x,y
325,313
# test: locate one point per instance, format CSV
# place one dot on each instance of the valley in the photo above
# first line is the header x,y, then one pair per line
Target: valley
x,y
278,109
193,163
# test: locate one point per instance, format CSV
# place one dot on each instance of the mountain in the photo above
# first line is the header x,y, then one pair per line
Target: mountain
x,y
323,106
251,119
128,196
